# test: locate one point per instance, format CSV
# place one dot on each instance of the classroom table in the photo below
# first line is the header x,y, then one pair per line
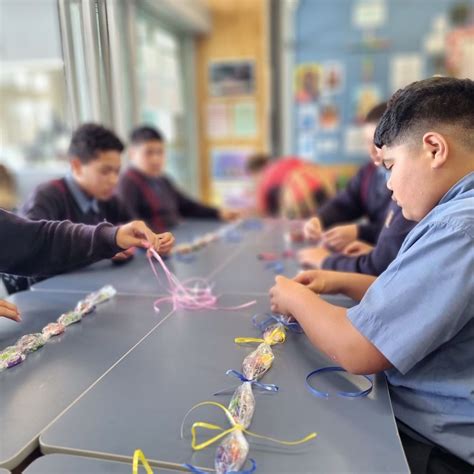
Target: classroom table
x,y
65,464
35,392
4,471
141,402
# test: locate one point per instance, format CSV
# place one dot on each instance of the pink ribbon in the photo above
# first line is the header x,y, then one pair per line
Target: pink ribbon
x,y
193,293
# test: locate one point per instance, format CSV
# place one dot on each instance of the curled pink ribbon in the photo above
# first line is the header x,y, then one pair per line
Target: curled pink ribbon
x,y
193,293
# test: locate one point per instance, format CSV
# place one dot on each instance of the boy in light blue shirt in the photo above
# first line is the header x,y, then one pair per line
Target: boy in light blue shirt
x,y
416,320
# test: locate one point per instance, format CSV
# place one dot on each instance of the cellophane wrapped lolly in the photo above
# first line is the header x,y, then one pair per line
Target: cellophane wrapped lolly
x,y
274,334
105,293
11,356
84,307
232,453
242,405
53,329
258,362
69,318
31,342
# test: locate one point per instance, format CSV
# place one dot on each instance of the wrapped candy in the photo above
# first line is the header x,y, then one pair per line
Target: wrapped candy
x,y
69,318
11,356
232,453
258,362
53,329
31,342
84,307
242,405
105,293
274,334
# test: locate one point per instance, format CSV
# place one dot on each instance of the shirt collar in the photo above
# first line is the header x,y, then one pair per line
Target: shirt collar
x,y
463,185
85,203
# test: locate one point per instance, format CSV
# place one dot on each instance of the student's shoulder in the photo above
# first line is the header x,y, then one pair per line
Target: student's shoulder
x,y
131,178
53,189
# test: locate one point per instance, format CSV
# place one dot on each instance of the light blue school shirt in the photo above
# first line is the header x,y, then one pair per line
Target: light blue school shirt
x,y
86,204
420,314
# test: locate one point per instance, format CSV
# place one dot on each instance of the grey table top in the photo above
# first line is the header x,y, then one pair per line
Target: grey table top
x,y
35,392
4,471
140,403
66,464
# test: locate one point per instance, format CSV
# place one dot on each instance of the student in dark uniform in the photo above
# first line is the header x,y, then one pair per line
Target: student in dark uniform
x,y
151,195
365,196
44,248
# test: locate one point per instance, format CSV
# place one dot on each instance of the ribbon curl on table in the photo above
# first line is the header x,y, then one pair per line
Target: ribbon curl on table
x,y
184,296
235,426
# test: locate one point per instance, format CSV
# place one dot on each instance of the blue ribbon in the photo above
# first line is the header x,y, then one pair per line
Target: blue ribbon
x,y
195,470
252,224
277,266
269,387
318,393
233,236
293,326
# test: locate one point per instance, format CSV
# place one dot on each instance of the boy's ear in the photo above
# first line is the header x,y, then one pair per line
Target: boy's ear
x,y
76,166
436,148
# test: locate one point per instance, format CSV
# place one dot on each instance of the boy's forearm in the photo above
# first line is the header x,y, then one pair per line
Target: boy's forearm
x,y
329,329
354,285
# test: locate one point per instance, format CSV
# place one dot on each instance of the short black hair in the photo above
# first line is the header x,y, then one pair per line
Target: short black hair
x,y
257,162
145,133
90,139
423,104
376,113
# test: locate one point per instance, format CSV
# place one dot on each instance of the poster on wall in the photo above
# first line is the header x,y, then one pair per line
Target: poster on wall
x,y
330,117
306,145
308,83
307,117
404,69
245,119
365,97
333,77
460,52
218,122
231,187
354,141
369,14
231,78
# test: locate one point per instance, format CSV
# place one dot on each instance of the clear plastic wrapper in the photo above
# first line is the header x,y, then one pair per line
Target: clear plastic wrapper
x,y
69,318
274,334
258,362
105,293
31,342
53,329
11,356
85,307
242,405
232,453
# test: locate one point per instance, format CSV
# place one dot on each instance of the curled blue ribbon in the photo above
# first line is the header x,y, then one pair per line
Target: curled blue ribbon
x,y
269,387
195,470
318,393
271,318
277,266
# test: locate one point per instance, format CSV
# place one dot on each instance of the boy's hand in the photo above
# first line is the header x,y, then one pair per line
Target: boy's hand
x,y
137,234
313,229
166,242
313,257
339,237
124,256
357,248
320,281
229,214
9,310
283,293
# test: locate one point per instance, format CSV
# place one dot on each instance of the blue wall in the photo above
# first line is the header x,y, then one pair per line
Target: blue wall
x,y
324,32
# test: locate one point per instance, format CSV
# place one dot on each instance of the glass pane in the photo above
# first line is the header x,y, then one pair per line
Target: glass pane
x,y
159,76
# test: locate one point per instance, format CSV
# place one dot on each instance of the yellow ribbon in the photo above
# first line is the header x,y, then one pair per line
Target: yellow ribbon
x,y
138,457
277,336
235,427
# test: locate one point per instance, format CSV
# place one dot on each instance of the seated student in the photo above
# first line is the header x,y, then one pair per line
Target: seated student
x,y
152,196
360,257
365,195
45,248
86,195
416,320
